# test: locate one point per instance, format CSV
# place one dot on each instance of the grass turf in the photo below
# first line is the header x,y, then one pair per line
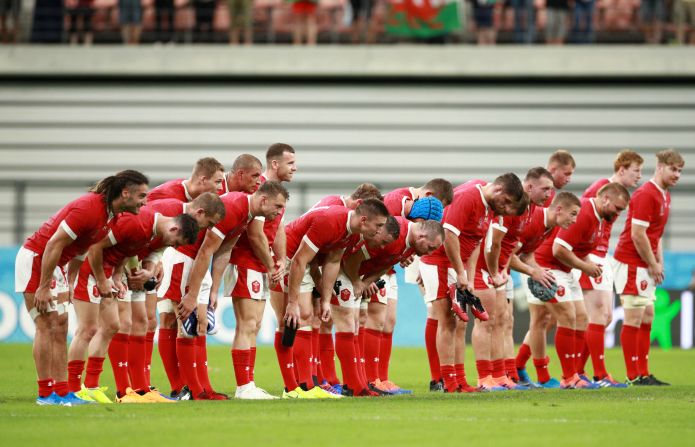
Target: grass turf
x,y
632,417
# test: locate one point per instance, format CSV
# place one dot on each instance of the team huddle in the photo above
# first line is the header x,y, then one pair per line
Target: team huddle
x,y
132,260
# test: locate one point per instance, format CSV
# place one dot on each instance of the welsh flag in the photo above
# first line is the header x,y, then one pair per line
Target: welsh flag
x,y
422,18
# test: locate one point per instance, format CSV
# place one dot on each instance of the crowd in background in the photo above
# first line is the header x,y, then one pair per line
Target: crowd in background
x,y
309,22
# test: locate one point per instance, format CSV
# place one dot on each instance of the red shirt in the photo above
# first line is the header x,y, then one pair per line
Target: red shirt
x,y
467,217
84,219
580,238
535,231
649,207
513,227
550,198
243,253
324,229
602,246
173,189
377,259
395,201
236,219
330,201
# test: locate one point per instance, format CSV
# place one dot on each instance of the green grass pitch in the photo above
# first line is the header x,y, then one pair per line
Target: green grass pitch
x,y
652,416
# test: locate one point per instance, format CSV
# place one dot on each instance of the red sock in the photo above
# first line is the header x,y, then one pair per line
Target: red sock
x,y
628,340
136,362
363,360
431,346
372,340
315,354
201,359
167,351
45,387
541,366
345,348
510,369
449,376
327,353
241,359
582,351
186,352
358,355
523,355
564,345
498,371
286,362
61,388
595,339
302,357
385,355
484,368
149,343
95,365
75,368
252,362
460,374
643,345
118,357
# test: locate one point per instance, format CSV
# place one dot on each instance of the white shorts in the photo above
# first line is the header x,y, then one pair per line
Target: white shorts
x,y
166,306
568,288
176,267
633,280
389,292
135,296
529,296
509,289
603,282
346,294
307,284
412,271
436,280
27,274
243,282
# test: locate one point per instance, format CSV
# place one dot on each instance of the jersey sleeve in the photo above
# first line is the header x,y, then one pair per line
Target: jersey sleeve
x,y
456,217
79,221
576,233
643,208
126,228
320,234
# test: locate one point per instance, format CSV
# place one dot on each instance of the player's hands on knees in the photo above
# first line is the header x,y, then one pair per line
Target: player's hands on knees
x,y
137,279
279,272
106,288
543,276
372,290
499,279
325,312
202,325
593,270
42,299
186,306
213,300
656,271
291,318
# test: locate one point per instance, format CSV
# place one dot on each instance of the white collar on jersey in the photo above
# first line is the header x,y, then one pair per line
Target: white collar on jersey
x,y
482,197
407,236
342,199
185,191
662,191
154,225
545,217
347,223
250,216
593,205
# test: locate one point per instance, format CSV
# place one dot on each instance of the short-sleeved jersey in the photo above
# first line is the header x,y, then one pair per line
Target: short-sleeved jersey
x,y
513,227
535,231
84,219
130,235
604,239
377,259
243,254
236,219
550,198
395,200
580,238
173,189
324,229
333,200
649,207
468,218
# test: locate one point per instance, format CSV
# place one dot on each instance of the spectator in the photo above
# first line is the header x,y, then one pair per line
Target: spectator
x,y
557,12
305,26
483,12
164,19
47,21
80,13
362,21
583,21
204,18
240,18
524,21
9,9
684,16
130,15
652,12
